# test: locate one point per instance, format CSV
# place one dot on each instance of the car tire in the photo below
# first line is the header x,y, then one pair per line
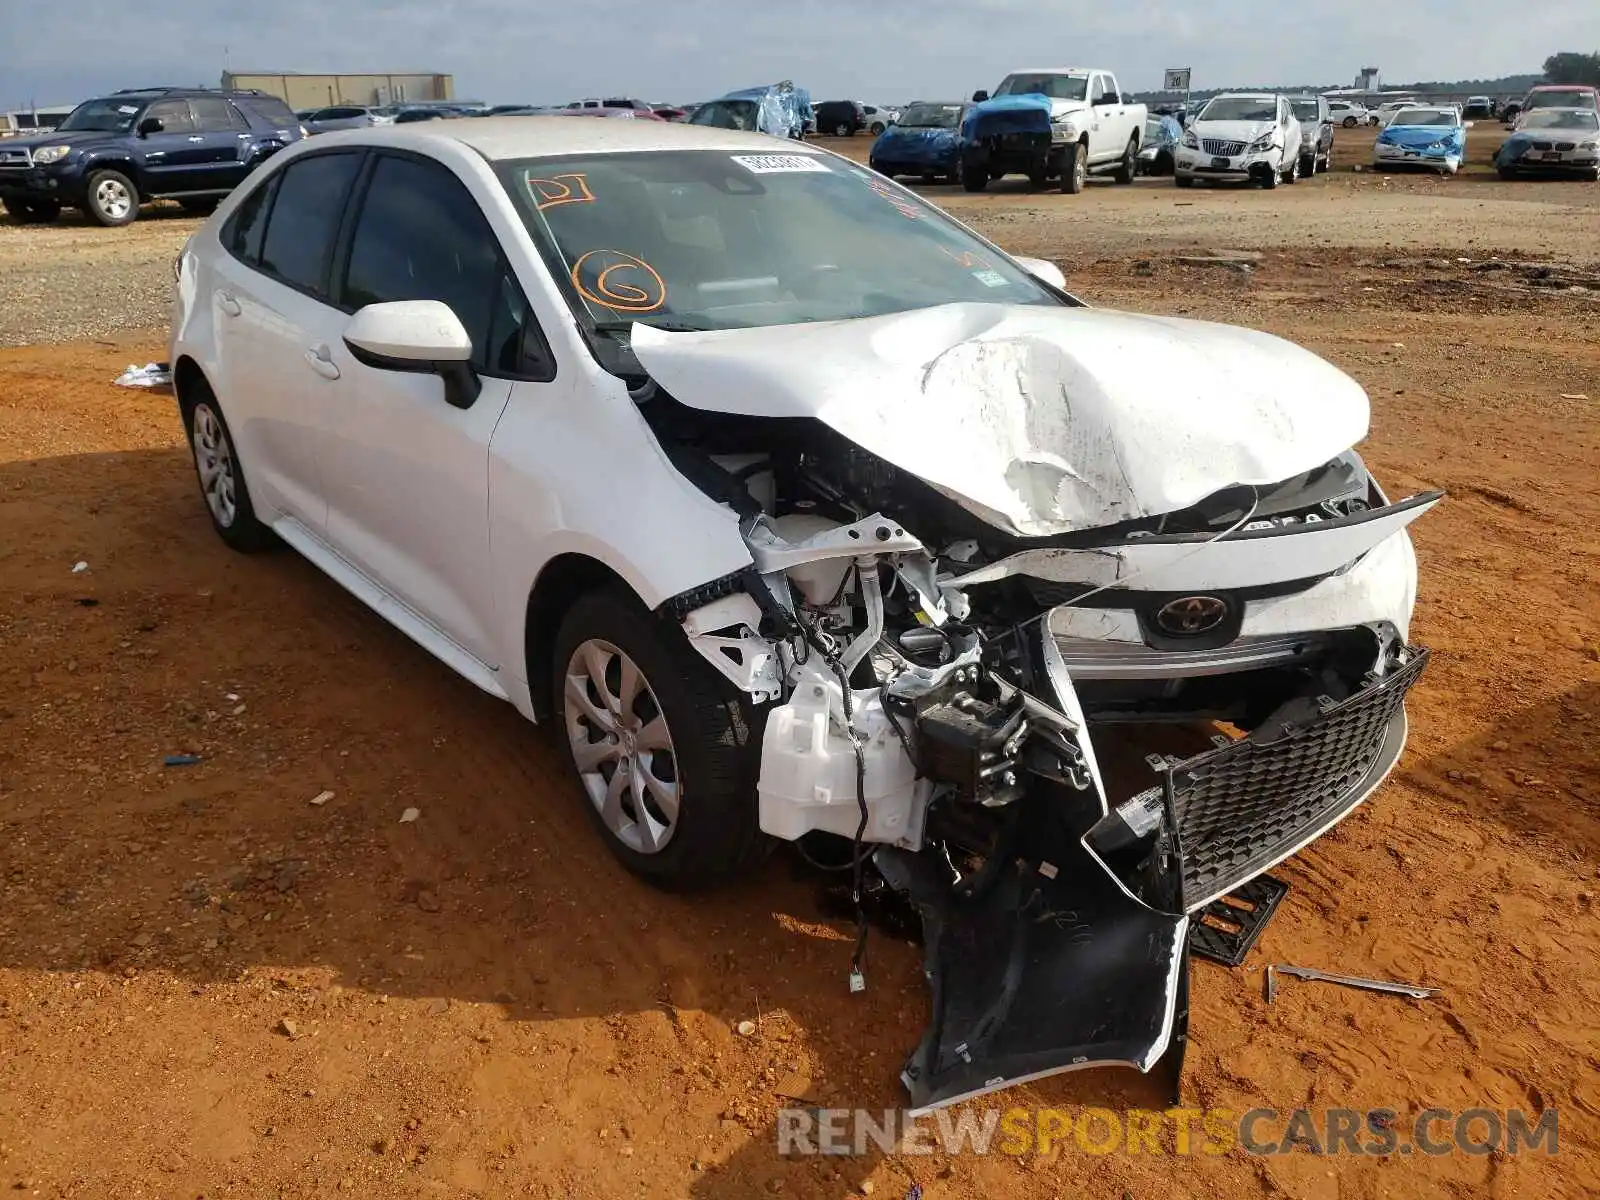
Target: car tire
x,y
843,130
222,483
1292,175
1308,165
974,179
111,199
1128,167
1038,177
1074,169
1594,175
876,128
695,817
1350,122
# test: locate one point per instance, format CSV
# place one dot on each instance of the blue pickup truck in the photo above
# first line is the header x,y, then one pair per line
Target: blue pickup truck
x,y
114,153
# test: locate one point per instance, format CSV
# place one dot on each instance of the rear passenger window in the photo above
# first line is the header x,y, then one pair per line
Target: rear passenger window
x,y
305,218
215,115
243,233
421,236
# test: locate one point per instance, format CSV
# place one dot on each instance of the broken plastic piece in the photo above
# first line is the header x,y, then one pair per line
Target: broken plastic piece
x,y
180,760
858,981
151,375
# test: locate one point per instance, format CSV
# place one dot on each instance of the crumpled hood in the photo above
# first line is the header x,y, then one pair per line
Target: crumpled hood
x,y
1420,137
1233,131
1040,420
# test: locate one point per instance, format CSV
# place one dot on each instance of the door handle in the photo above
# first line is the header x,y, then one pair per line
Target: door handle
x,y
321,360
228,304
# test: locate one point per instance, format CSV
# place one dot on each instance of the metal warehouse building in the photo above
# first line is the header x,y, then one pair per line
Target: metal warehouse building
x,y
317,91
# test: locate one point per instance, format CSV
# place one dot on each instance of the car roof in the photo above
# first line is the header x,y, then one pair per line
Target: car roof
x,y
510,137
1055,71
1432,108
1245,96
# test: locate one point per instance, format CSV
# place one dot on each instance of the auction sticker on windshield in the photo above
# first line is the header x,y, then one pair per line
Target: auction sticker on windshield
x,y
780,164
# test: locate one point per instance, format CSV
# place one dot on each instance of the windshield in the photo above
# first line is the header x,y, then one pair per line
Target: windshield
x,y
1057,87
1239,108
1569,98
727,114
1423,116
1306,110
1562,118
100,116
931,116
706,239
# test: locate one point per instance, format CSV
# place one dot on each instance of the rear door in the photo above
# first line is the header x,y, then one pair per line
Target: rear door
x,y
277,327
407,473
224,145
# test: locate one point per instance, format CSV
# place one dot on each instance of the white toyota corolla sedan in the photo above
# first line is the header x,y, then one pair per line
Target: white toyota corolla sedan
x,y
805,512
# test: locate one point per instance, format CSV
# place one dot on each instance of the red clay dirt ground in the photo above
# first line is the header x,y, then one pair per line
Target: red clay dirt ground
x,y
211,986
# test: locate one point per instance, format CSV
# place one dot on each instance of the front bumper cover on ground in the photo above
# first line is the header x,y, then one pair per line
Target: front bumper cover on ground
x,y
1070,948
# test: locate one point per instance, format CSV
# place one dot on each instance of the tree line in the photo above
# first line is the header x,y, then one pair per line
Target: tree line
x,y
1568,67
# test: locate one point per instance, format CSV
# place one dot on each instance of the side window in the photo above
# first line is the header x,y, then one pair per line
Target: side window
x,y
1111,85
305,218
247,227
421,236
174,116
213,114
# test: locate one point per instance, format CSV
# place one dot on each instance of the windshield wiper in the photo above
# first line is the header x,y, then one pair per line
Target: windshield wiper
x,y
664,326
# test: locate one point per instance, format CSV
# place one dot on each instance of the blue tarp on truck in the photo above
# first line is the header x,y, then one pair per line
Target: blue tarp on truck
x,y
780,109
1000,115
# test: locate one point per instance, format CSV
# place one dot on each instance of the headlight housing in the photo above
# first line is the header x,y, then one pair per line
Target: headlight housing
x,y
1589,145
1264,142
1191,140
45,155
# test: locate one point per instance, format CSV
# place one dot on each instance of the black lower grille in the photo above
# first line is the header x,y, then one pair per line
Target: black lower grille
x,y
1250,804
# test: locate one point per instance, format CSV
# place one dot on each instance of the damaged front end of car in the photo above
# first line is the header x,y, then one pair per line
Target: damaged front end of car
x,y
915,650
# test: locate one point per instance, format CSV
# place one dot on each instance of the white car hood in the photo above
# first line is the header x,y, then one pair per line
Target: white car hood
x,y
1234,131
1040,420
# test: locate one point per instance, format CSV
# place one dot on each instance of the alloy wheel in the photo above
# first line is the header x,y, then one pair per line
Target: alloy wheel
x,y
113,199
621,746
213,457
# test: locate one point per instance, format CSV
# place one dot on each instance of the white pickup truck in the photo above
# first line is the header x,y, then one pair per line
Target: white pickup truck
x,y
1081,124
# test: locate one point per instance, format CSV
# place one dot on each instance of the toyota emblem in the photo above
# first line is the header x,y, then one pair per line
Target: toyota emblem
x,y
1191,615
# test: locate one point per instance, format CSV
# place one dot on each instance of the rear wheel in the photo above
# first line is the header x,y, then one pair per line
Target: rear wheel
x,y
1308,165
1350,122
222,482
666,751
1127,168
842,130
112,199
1074,169
877,127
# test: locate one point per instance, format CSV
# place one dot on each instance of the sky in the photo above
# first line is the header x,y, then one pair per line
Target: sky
x,y
505,51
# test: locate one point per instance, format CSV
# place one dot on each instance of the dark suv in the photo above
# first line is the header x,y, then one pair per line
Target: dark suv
x,y
840,118
111,155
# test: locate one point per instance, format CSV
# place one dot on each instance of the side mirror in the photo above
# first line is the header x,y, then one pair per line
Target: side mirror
x,y
150,125
1109,98
1045,271
979,96
424,337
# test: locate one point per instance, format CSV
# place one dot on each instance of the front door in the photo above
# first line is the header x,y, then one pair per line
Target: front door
x,y
406,473
171,156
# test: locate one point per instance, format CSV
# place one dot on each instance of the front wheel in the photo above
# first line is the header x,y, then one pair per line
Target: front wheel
x,y
112,200
666,751
1292,175
842,130
1130,162
974,179
1308,165
877,127
1074,169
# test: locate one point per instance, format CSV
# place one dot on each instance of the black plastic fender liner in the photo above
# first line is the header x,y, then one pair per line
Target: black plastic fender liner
x,y
1051,967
